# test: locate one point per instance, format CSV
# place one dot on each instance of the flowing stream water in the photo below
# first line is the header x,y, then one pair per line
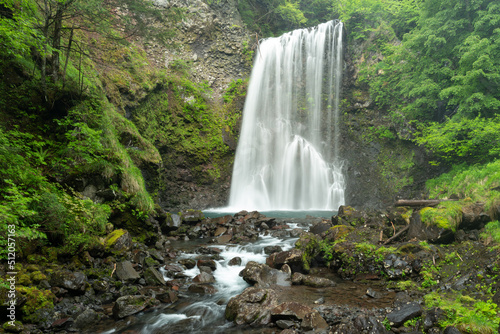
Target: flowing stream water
x,y
288,156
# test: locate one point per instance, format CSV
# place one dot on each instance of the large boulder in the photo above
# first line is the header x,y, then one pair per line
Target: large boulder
x,y
291,257
118,240
126,272
128,305
264,276
191,216
75,282
253,306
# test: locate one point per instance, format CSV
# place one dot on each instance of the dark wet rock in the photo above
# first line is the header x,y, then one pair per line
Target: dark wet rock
x,y
432,317
140,256
126,272
75,282
188,263
253,306
153,277
167,297
100,285
264,226
224,220
204,277
474,217
128,305
191,216
372,293
368,323
461,283
292,257
263,275
272,249
293,311
451,330
396,267
320,227
118,240
317,282
86,319
235,261
207,263
284,324
155,254
204,289
404,313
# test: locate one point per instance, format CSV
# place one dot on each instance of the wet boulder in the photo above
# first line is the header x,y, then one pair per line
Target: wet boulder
x,y
272,249
153,277
433,232
404,313
312,281
118,240
191,216
253,306
474,217
74,282
264,276
320,227
128,305
204,277
292,257
126,272
86,319
204,289
235,261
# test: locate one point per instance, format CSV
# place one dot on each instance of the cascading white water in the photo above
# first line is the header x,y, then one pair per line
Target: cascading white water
x,y
287,155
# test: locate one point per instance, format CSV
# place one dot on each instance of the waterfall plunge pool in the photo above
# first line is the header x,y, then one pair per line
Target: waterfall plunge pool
x,y
215,213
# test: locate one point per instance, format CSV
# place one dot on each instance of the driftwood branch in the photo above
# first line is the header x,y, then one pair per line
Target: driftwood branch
x,y
420,202
396,235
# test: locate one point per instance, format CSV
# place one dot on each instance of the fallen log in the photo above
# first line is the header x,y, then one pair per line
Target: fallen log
x,y
404,229
420,202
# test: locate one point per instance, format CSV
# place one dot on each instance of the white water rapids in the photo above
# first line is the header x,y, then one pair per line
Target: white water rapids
x,y
287,156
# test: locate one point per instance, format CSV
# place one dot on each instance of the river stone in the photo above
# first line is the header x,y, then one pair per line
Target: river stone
x,y
252,306
220,231
126,272
235,261
404,313
191,216
223,239
314,321
292,257
153,276
167,297
204,289
264,276
272,249
128,305
118,240
86,319
188,263
206,263
75,282
317,282
320,227
284,324
451,330
204,277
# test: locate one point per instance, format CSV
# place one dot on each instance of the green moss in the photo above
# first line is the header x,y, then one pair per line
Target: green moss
x,y
465,312
447,215
37,276
113,237
35,299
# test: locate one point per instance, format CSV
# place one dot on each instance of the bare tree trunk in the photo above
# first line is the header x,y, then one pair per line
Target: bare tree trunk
x,y
56,41
67,56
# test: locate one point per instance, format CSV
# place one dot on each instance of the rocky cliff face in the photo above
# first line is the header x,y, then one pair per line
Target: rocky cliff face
x,y
212,50
382,164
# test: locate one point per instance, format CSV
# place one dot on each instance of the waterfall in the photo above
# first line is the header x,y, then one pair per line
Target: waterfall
x,y
287,156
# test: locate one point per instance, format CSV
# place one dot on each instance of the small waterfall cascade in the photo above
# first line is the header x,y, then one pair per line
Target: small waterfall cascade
x,y
288,154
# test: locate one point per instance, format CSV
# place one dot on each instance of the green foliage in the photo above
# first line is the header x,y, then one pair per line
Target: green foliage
x,y
463,140
492,229
475,182
467,314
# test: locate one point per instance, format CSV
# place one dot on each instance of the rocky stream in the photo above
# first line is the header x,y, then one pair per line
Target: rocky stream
x,y
248,273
